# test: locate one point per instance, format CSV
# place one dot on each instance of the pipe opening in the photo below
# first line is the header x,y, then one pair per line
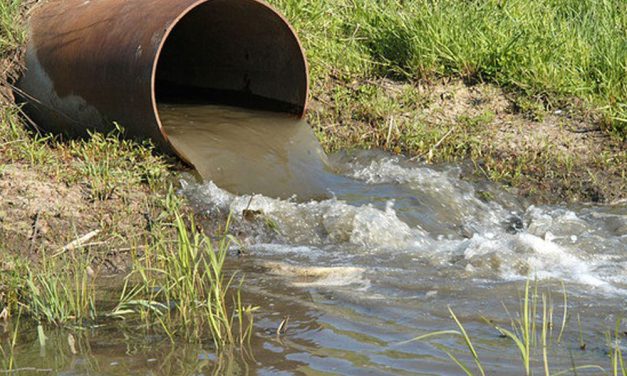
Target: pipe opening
x,y
233,52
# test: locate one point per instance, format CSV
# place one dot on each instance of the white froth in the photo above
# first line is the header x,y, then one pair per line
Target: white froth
x,y
556,243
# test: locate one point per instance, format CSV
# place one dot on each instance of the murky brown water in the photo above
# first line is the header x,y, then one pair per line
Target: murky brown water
x,y
247,151
375,263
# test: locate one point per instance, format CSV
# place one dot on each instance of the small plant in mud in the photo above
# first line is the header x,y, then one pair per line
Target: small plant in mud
x,y
19,144
58,290
12,271
532,332
181,287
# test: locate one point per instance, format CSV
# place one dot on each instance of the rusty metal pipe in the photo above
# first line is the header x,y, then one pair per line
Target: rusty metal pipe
x,y
91,63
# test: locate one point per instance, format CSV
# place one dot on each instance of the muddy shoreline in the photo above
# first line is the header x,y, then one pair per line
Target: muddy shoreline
x,y
557,160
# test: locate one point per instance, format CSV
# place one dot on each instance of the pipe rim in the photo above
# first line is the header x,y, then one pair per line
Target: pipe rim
x,y
166,35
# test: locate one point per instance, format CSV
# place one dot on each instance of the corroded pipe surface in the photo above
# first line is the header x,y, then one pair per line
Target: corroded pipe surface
x,y
91,63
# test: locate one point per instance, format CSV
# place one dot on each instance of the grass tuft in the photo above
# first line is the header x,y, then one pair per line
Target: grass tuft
x,y
61,291
182,288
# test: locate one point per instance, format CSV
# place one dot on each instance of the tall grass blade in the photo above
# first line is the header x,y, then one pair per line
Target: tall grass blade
x,y
468,342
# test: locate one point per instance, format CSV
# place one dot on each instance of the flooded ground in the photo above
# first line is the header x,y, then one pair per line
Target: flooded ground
x,y
376,260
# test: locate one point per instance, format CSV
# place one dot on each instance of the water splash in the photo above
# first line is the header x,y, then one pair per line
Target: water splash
x,y
468,235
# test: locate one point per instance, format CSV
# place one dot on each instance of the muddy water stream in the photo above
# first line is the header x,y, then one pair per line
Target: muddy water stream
x,y
386,246
245,151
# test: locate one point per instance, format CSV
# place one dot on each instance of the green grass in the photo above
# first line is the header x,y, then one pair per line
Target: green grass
x,y
56,291
549,50
181,287
177,287
104,164
12,33
61,291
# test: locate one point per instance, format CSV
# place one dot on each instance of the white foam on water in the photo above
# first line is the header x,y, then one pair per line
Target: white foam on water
x,y
555,243
549,260
526,255
456,198
322,222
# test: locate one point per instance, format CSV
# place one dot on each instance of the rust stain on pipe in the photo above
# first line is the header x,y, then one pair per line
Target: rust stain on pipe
x,y
91,63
